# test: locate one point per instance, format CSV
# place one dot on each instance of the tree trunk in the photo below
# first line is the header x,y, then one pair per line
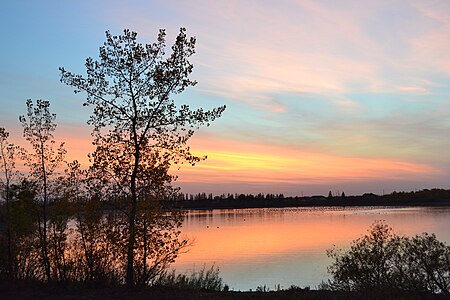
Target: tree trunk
x,y
44,242
9,267
132,214
10,272
132,221
131,241
145,253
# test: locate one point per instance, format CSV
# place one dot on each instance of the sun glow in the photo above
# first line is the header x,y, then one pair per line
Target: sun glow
x,y
246,162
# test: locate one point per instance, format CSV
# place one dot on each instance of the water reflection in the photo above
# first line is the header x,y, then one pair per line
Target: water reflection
x,y
287,246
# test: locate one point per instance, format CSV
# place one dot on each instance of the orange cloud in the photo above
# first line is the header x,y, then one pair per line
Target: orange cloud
x,y
237,161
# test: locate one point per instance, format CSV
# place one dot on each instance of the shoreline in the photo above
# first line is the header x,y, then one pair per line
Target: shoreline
x,y
23,289
312,206
425,198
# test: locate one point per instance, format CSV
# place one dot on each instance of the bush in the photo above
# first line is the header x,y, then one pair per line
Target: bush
x,y
384,261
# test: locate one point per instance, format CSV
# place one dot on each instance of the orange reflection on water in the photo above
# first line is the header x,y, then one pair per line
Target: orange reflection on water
x,y
266,234
234,243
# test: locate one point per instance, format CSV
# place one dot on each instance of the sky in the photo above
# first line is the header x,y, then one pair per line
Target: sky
x,y
341,96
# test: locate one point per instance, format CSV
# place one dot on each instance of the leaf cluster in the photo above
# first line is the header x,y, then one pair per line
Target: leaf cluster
x,y
130,87
38,127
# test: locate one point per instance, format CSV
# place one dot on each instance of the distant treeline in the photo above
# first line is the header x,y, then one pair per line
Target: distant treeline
x,y
426,197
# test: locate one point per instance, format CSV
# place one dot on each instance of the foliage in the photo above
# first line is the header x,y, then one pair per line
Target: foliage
x,y
38,127
43,161
105,225
93,259
139,132
384,261
130,88
428,263
8,155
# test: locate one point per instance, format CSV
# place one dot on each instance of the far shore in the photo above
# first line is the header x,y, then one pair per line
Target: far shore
x,y
424,198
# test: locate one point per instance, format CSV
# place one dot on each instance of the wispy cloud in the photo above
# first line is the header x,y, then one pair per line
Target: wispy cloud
x,y
316,90
237,161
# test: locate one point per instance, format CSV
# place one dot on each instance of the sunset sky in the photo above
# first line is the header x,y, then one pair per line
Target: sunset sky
x,y
349,96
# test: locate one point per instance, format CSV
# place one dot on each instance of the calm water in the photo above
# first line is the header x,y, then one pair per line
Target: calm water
x,y
285,246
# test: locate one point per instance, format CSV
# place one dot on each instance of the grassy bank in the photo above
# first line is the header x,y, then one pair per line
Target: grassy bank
x,y
36,290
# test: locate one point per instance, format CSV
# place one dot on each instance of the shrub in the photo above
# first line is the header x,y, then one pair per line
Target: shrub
x,y
382,260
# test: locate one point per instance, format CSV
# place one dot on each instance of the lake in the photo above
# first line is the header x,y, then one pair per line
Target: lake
x,y
271,246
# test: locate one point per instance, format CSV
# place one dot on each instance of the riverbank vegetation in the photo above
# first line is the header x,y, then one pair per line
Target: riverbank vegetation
x,y
104,225
383,262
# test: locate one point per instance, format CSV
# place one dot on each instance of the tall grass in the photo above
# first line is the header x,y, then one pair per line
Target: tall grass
x,y
204,280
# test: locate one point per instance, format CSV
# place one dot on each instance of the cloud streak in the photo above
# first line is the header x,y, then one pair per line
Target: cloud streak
x,y
317,91
234,161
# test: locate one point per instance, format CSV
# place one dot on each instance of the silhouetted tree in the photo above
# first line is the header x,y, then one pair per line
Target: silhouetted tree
x,y
382,261
138,129
23,224
8,157
43,160
93,256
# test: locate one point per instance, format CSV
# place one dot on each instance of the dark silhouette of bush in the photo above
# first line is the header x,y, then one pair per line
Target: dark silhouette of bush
x,y
382,261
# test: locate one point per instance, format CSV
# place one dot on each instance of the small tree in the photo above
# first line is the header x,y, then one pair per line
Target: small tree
x,y
385,262
43,161
429,263
8,157
93,262
138,129
365,265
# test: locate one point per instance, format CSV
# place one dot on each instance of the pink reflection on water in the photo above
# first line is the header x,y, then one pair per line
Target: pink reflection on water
x,y
288,246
